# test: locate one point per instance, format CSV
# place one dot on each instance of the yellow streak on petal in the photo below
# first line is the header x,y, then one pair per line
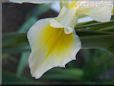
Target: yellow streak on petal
x,y
71,4
55,41
51,47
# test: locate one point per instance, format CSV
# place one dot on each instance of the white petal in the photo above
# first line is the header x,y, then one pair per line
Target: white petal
x,y
55,23
102,15
99,10
36,28
68,30
66,19
31,1
50,47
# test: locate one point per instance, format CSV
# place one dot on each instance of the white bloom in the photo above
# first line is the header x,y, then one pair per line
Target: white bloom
x,y
51,47
53,41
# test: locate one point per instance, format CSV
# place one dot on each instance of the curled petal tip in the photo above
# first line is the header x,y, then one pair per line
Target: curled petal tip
x,y
55,23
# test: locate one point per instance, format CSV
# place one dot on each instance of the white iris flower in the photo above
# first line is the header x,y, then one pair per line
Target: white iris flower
x,y
53,41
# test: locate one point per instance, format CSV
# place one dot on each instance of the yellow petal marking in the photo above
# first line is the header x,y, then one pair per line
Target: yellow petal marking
x,y
51,47
55,41
71,4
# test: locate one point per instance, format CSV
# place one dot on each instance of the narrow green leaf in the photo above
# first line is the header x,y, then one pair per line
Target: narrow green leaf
x,y
99,61
22,63
12,40
27,24
103,41
33,17
10,78
63,74
95,25
15,42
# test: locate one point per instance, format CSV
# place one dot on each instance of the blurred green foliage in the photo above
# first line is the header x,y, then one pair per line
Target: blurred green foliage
x,y
97,43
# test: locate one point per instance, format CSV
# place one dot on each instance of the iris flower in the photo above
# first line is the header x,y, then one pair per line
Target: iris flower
x,y
54,41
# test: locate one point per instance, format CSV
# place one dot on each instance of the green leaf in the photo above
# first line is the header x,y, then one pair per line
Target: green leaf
x,y
15,42
22,63
104,41
27,24
93,40
10,78
96,26
92,25
14,39
99,61
33,17
69,74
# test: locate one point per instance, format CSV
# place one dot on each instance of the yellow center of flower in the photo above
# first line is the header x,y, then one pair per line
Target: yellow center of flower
x,y
55,40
